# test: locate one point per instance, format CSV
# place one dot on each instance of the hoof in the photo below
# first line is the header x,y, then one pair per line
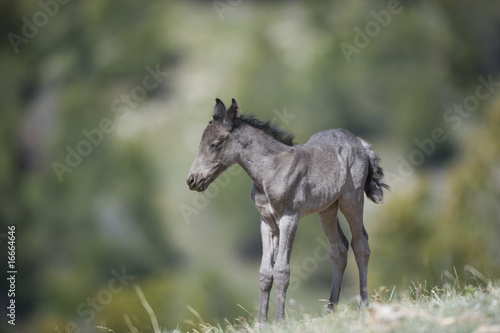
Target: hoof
x,y
364,306
262,326
331,308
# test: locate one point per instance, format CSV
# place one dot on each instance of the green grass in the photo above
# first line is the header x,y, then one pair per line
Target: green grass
x,y
451,308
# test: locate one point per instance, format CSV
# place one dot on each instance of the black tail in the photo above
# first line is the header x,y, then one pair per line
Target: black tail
x,y
374,187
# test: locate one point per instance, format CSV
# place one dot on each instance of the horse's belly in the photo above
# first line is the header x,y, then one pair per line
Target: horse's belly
x,y
318,200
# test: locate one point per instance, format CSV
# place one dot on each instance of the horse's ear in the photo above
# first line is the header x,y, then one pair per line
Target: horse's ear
x,y
231,114
220,109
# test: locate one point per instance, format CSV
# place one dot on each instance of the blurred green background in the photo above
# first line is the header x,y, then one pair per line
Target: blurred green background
x,y
103,104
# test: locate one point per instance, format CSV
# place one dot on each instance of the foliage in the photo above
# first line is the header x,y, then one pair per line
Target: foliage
x,y
450,224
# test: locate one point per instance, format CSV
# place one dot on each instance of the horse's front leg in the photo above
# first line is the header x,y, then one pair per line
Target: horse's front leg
x,y
281,272
266,270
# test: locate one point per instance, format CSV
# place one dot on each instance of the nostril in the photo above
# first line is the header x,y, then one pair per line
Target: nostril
x,y
190,180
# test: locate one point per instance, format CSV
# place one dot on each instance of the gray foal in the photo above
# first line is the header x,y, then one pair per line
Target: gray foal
x,y
332,170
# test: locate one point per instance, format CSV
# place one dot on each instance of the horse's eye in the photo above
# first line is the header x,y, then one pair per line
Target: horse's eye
x,y
215,145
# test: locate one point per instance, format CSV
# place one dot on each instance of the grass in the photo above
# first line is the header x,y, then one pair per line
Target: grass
x,y
454,307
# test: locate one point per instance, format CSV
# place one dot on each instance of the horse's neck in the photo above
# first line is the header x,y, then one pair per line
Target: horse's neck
x,y
258,154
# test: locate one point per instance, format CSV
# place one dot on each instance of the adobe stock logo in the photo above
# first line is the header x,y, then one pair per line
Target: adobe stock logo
x,y
30,28
222,7
373,28
121,107
454,117
88,310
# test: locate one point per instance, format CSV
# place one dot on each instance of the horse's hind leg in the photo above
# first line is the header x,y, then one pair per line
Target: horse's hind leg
x,y
351,205
338,250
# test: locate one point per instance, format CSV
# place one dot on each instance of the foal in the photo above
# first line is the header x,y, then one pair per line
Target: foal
x,y
330,171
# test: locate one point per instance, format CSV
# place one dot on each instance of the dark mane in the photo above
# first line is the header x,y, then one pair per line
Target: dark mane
x,y
267,127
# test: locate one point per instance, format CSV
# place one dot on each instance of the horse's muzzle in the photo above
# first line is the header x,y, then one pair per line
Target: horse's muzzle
x,y
197,185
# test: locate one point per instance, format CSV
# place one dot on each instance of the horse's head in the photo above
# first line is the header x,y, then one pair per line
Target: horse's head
x,y
217,150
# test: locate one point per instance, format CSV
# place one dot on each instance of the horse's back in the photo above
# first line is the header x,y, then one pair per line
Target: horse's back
x,y
333,138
